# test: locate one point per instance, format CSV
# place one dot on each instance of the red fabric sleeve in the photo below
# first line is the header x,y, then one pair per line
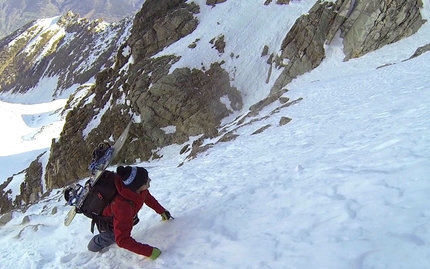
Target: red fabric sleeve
x,y
151,202
122,224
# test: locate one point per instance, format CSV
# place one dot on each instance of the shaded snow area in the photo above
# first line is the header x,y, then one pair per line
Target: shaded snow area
x,y
344,185
29,127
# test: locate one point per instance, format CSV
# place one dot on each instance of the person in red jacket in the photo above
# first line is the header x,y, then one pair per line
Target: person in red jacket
x,y
132,184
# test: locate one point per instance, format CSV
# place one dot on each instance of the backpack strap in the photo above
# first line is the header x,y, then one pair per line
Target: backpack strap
x,y
104,224
93,223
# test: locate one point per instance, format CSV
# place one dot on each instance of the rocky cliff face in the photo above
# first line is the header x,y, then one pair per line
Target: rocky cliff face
x,y
365,26
15,14
185,101
169,105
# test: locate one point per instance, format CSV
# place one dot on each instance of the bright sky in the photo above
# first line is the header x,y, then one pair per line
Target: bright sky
x,y
343,185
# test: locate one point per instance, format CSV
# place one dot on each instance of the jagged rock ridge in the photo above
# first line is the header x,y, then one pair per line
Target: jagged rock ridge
x,y
15,14
61,50
189,101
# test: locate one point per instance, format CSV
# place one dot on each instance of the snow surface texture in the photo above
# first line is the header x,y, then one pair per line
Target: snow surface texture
x,y
344,185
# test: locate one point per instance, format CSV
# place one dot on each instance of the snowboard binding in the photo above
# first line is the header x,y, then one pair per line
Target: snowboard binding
x,y
73,193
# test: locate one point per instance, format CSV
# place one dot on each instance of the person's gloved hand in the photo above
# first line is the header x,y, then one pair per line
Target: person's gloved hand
x,y
166,216
155,253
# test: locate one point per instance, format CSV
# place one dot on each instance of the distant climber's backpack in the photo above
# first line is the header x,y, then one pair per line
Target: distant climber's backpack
x,y
99,196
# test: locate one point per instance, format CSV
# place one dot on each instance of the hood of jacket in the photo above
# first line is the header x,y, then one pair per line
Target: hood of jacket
x,y
129,194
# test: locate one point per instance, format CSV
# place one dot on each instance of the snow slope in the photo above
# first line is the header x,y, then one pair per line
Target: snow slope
x,y
345,184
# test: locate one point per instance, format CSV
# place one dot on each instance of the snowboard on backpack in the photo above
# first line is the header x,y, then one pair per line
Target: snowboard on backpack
x,y
102,157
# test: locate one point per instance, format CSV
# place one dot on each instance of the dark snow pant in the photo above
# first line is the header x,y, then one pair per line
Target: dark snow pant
x,y
100,241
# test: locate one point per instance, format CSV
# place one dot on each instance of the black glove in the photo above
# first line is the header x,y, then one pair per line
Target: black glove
x,y
166,216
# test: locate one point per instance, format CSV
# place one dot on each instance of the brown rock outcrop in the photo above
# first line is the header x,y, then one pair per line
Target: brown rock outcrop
x,y
170,106
364,26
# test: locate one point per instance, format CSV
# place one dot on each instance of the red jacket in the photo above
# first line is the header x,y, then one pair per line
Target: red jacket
x,y
123,211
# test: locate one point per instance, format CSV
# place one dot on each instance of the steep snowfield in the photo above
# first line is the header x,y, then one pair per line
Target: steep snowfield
x,y
345,184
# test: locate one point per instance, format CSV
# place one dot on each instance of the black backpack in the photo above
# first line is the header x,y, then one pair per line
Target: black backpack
x,y
99,196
